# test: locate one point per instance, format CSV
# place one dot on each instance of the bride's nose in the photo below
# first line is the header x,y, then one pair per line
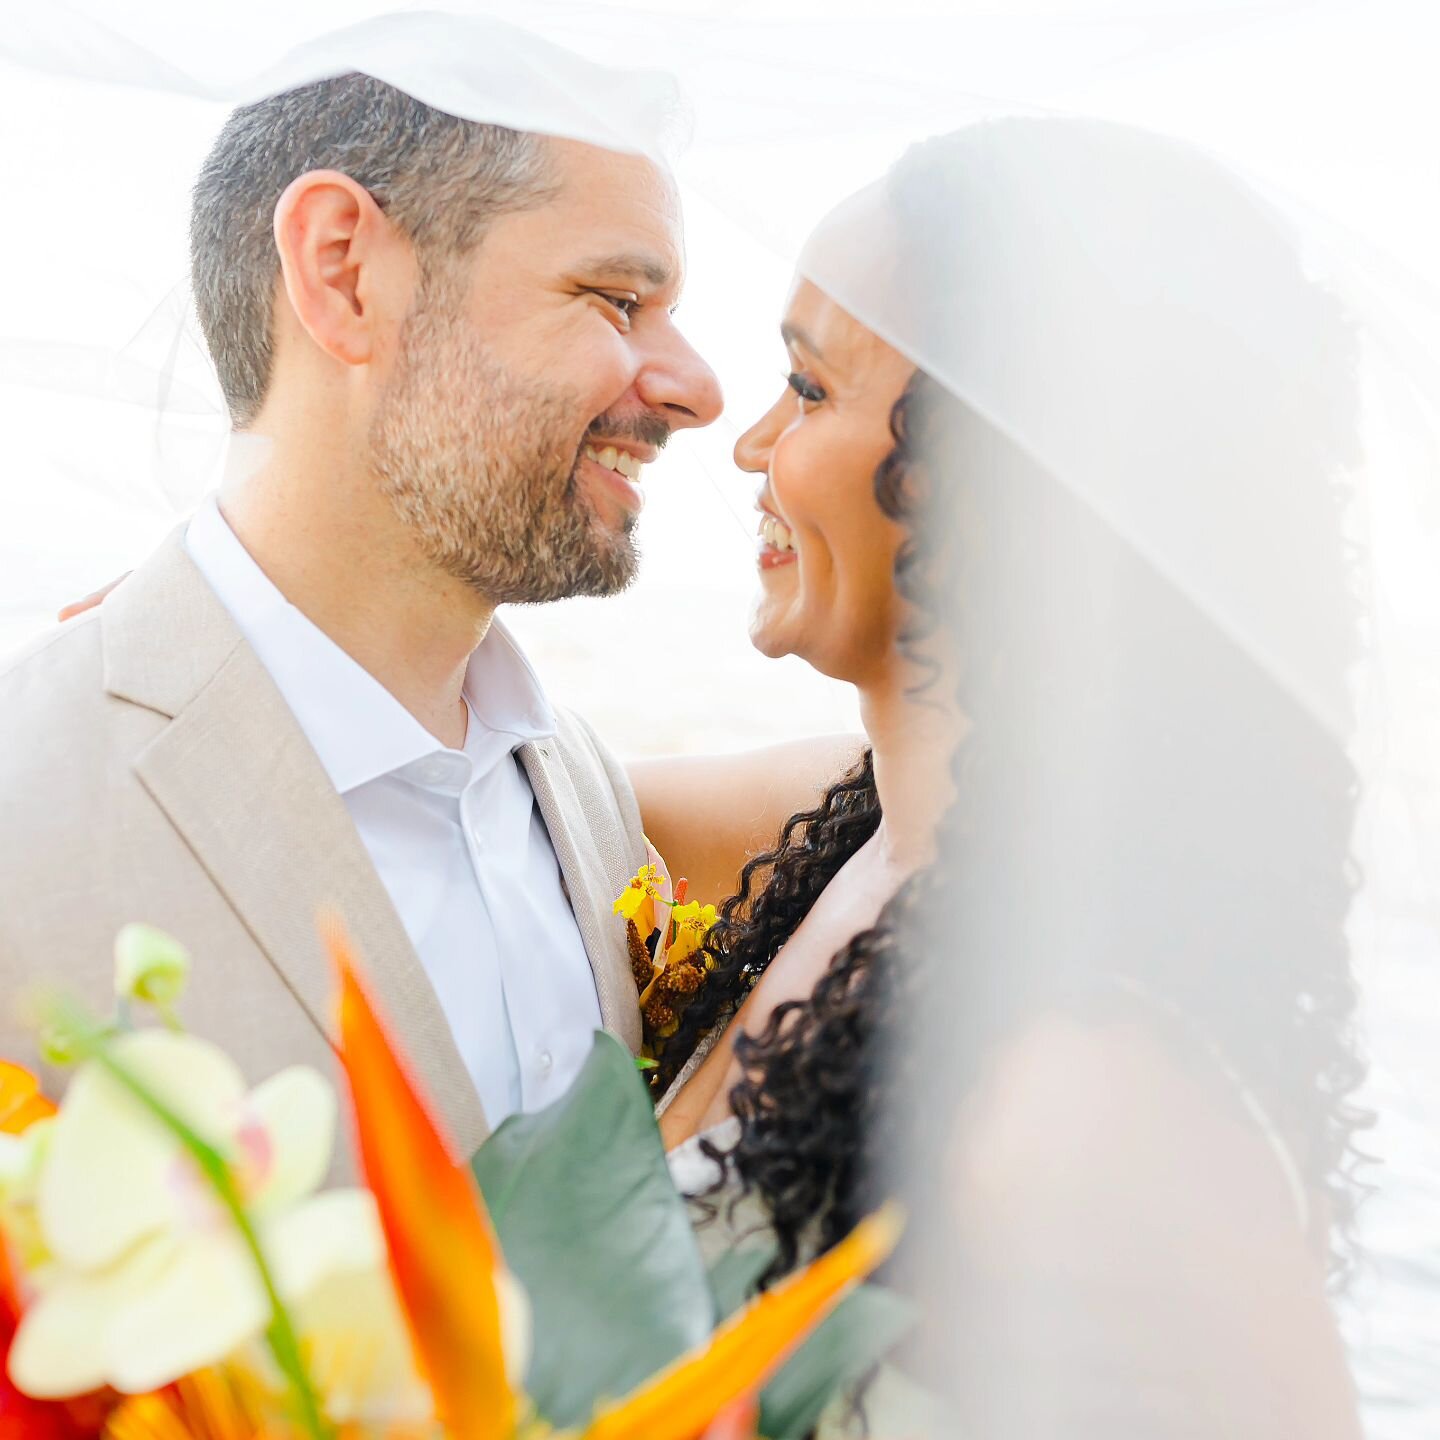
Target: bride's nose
x,y
752,449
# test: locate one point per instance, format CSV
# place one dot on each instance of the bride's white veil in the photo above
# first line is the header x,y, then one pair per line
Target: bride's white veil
x,y
1158,460
1176,459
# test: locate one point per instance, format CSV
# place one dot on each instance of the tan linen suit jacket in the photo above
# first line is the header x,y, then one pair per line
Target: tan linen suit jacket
x,y
150,770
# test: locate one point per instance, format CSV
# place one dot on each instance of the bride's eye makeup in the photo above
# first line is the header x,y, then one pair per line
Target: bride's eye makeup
x,y
808,391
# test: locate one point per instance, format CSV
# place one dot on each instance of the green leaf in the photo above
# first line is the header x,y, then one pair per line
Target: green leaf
x,y
854,1337
733,1277
860,1331
592,1225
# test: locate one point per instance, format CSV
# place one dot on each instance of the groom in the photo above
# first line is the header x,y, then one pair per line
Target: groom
x,y
448,351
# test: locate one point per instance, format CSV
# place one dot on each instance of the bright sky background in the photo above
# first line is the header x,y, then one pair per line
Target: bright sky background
x,y
1333,102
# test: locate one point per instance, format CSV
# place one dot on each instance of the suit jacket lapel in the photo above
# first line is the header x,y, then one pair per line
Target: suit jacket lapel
x,y
237,778
591,895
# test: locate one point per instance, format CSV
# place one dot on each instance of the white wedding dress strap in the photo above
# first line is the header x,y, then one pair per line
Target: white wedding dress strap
x,y
707,1043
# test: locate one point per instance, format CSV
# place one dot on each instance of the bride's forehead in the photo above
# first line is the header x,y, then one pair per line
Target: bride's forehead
x,y
817,323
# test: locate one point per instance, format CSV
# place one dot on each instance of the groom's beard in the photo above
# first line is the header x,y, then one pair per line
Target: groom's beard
x,y
480,465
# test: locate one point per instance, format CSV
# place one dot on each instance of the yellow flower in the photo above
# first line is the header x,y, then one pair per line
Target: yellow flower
x,y
636,901
693,922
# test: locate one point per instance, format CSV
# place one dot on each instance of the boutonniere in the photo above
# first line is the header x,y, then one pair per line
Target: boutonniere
x,y
666,932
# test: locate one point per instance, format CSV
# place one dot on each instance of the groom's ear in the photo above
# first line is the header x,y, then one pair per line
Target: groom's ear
x,y
341,262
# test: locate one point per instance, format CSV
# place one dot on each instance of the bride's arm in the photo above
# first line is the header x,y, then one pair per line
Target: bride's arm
x,y
708,814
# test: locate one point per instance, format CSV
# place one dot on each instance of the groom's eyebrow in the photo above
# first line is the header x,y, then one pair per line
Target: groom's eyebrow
x,y
632,265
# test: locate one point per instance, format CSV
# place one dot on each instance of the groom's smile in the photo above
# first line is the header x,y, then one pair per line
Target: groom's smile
x,y
578,293
613,458
617,470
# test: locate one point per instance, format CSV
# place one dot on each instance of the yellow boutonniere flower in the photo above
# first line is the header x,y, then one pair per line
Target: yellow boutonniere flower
x,y
637,900
693,922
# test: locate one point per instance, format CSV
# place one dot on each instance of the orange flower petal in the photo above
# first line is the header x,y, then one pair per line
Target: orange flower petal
x,y
443,1254
209,1404
21,1103
680,1402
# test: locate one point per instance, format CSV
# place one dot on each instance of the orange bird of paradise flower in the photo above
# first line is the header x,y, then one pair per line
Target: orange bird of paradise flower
x,y
443,1252
444,1256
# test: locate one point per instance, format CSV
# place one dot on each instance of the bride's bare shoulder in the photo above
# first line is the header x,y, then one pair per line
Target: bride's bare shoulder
x,y
1114,1202
1121,1122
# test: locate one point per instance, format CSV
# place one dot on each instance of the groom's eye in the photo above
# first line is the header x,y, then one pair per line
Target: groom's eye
x,y
808,391
627,305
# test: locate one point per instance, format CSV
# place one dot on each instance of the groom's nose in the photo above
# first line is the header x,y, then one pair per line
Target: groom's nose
x,y
676,383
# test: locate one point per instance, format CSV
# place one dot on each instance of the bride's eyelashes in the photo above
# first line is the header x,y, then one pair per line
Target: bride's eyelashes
x,y
808,391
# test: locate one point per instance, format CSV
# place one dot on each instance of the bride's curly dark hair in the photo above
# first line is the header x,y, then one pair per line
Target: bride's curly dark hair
x,y
812,1094
1248,944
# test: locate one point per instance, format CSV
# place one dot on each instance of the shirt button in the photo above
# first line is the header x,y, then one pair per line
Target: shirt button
x,y
546,1062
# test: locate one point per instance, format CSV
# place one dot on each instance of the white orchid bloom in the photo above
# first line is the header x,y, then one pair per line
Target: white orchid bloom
x,y
149,1278
331,1255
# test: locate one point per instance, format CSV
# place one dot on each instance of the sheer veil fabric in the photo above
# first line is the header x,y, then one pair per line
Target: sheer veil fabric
x,y
1169,275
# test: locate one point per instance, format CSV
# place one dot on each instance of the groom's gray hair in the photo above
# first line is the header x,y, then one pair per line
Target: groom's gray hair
x,y
439,178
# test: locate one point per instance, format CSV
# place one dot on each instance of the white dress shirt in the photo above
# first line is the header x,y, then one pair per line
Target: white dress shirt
x,y
455,835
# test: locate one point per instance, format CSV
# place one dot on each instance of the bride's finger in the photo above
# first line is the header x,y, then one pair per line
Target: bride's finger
x,y
96,597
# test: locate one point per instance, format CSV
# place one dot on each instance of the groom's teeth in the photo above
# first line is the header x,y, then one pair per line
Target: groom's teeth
x,y
618,460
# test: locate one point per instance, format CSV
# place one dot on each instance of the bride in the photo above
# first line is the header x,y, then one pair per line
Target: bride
x,y
1070,937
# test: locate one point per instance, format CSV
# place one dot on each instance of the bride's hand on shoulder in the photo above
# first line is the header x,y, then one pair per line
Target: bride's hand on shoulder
x,y
96,597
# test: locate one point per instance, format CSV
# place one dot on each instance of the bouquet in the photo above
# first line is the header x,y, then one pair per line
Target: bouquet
x,y
174,1271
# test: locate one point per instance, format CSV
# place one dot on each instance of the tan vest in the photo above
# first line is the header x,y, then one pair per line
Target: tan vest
x,y
150,770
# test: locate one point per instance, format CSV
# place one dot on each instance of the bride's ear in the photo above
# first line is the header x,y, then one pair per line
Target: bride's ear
x,y
340,261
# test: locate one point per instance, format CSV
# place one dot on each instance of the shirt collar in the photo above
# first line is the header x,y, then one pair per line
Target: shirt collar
x,y
356,727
